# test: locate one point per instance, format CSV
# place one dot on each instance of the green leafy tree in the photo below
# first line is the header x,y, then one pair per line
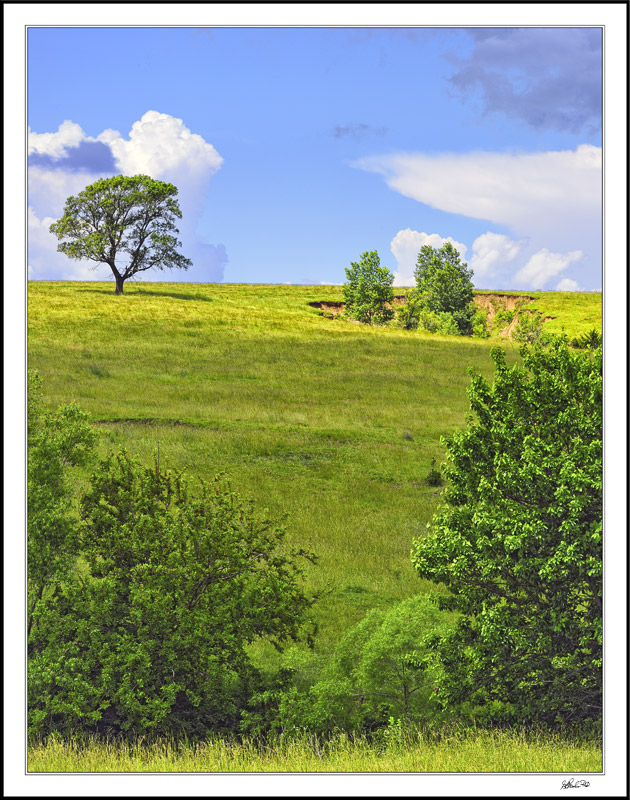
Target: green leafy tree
x,y
444,284
368,292
518,543
384,666
57,441
151,634
126,223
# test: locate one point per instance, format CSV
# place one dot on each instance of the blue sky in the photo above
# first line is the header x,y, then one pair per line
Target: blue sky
x,y
297,149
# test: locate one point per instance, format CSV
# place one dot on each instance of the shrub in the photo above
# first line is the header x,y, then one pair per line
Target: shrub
x,y
434,476
150,634
438,322
588,341
528,328
57,441
518,543
383,667
408,314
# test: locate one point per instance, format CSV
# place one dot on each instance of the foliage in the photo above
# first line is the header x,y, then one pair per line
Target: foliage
x,y
441,322
519,543
151,634
368,292
383,666
57,441
529,328
503,318
590,340
408,316
126,223
444,283
479,324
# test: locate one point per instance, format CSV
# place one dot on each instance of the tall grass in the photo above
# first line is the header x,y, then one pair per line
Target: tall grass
x,y
472,751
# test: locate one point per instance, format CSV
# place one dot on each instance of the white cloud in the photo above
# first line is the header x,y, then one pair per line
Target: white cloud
x,y
107,136
406,245
491,252
69,134
553,199
45,263
515,190
543,266
164,148
48,189
568,285
158,145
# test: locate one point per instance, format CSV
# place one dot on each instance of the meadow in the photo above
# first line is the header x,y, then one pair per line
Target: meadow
x,y
331,423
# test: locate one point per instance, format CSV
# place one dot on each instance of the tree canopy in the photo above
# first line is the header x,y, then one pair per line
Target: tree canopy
x,y
146,627
444,284
518,543
126,223
368,292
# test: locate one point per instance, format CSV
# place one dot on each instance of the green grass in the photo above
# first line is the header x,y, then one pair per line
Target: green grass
x,y
480,752
331,422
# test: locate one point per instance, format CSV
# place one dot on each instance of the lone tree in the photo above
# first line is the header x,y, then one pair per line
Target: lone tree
x,y
444,284
519,543
126,223
368,292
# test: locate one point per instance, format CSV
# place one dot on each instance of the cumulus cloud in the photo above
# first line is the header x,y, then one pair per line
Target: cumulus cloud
x,y
491,252
56,145
164,148
548,77
568,285
543,266
552,199
406,245
45,263
159,145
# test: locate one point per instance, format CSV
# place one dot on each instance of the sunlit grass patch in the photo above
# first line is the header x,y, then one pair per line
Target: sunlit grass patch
x,y
468,752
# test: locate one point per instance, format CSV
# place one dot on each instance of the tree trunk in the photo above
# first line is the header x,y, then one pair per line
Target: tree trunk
x,y
119,284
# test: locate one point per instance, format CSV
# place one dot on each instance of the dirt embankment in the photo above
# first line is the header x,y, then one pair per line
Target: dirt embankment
x,y
493,303
490,303
332,308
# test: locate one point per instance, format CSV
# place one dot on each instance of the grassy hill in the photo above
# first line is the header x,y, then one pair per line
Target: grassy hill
x,y
334,423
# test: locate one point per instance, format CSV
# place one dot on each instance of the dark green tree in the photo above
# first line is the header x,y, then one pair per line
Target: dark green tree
x,y
57,441
126,223
151,633
518,543
444,284
368,292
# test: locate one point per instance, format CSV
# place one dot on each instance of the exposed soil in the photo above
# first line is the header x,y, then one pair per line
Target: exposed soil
x,y
332,308
490,303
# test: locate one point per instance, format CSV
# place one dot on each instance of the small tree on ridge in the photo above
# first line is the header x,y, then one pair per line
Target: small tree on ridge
x,y
368,292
